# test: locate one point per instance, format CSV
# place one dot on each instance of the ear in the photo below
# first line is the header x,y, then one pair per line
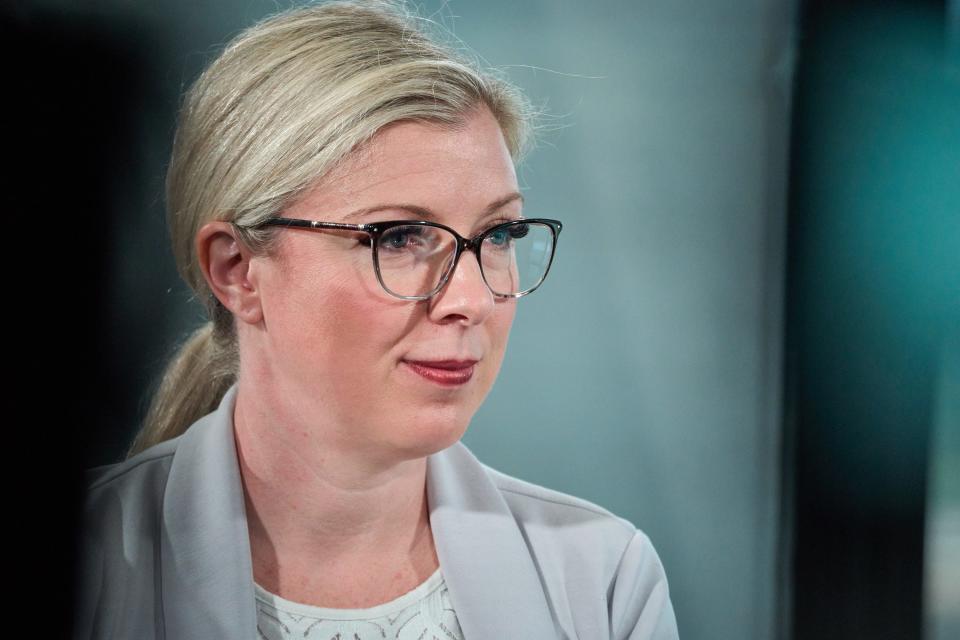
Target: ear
x,y
226,265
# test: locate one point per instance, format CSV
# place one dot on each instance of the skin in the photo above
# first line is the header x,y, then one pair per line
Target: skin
x,y
332,428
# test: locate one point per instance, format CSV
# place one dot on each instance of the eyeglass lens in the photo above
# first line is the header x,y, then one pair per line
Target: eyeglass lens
x,y
414,259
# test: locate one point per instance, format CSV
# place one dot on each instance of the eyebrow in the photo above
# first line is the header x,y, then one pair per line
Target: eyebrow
x,y
427,214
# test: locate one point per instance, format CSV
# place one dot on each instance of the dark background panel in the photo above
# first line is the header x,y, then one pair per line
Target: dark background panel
x,y
873,293
70,131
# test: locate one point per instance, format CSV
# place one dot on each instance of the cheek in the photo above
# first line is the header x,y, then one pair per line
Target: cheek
x,y
324,318
499,324
504,314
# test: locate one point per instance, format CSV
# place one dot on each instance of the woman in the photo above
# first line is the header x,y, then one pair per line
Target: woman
x,y
342,197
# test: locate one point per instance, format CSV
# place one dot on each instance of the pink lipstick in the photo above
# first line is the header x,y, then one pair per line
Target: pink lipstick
x,y
449,373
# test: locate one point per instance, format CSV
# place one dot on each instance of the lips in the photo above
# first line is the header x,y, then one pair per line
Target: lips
x,y
443,372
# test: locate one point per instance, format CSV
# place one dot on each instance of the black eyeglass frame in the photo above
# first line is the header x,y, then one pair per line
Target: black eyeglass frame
x,y
377,229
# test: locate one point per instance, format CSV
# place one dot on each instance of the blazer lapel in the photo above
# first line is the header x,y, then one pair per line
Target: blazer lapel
x,y
494,585
205,562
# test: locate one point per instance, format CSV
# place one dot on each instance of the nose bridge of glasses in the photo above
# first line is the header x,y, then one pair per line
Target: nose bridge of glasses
x,y
464,246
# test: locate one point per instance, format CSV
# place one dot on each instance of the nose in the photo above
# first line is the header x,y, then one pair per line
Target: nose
x,y
465,296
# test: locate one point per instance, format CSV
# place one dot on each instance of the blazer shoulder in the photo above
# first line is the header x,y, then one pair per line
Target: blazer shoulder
x,y
147,462
118,541
580,547
529,500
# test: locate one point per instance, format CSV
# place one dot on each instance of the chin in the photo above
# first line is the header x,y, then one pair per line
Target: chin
x,y
426,438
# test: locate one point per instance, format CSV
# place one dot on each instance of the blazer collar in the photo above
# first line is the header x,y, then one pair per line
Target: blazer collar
x,y
494,584
206,568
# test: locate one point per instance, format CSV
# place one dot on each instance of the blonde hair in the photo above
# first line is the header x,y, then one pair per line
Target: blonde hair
x,y
288,99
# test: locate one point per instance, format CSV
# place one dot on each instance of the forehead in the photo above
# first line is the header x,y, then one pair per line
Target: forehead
x,y
449,170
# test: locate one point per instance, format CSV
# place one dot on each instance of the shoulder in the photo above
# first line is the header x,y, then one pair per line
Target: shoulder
x,y
567,529
145,462
536,503
146,465
126,496
588,549
119,518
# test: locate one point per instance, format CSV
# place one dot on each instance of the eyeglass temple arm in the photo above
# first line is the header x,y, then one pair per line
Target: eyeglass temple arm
x,y
312,224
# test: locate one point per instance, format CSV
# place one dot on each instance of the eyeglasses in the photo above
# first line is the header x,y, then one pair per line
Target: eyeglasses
x,y
413,259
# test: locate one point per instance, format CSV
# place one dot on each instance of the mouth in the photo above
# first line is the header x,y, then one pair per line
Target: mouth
x,y
448,373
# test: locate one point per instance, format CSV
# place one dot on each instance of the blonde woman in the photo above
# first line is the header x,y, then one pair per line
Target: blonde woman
x,y
342,196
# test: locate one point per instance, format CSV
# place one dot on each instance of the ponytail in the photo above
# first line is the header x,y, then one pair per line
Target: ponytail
x,y
192,385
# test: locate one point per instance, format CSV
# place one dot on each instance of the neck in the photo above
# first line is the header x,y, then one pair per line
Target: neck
x,y
318,515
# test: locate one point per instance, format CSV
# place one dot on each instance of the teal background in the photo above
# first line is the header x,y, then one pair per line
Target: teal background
x,y
645,374
873,308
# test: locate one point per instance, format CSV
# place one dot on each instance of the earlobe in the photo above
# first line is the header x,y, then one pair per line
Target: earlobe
x,y
226,265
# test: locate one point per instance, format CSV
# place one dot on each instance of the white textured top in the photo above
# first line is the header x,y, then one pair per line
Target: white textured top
x,y
425,613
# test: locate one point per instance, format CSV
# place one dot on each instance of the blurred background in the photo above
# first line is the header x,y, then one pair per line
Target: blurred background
x,y
749,344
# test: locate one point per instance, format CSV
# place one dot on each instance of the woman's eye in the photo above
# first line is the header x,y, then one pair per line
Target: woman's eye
x,y
505,236
394,241
400,238
499,237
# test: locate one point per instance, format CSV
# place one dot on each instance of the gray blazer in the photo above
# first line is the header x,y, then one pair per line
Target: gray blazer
x,y
166,554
